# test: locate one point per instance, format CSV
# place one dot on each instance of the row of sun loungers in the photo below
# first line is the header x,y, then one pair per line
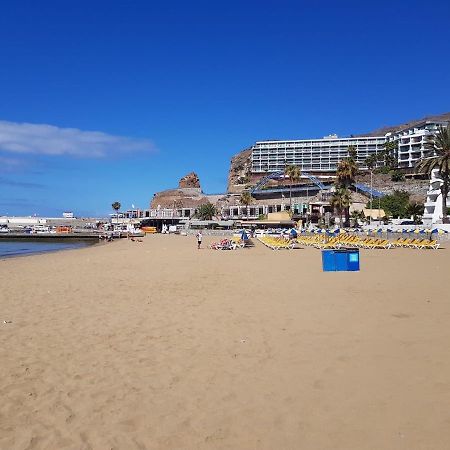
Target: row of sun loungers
x,y
277,243
368,243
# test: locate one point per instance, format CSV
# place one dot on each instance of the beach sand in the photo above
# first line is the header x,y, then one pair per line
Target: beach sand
x,y
157,345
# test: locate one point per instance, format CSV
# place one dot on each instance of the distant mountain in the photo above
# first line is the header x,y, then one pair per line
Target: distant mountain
x,y
390,128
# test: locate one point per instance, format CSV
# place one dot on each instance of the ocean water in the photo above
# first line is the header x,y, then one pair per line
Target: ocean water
x,y
25,247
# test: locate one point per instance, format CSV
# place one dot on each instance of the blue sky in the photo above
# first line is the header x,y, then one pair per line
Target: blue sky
x,y
115,100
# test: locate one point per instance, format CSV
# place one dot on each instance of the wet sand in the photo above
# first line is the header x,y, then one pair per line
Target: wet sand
x,y
157,345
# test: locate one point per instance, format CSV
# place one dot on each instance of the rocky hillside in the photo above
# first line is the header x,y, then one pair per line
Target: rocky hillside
x,y
187,195
383,183
390,128
239,173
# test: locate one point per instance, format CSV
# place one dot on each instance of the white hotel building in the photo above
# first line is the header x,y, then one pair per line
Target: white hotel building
x,y
314,155
412,142
323,155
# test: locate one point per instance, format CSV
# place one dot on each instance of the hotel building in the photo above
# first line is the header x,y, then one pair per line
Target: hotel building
x,y
312,155
412,142
323,155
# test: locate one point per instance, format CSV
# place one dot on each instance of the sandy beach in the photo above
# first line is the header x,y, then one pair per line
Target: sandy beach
x,y
157,345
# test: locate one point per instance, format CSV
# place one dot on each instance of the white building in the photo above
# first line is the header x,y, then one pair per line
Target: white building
x,y
433,205
315,155
412,142
323,155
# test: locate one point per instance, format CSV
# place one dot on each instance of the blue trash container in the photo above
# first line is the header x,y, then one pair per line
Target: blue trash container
x,y
341,260
328,263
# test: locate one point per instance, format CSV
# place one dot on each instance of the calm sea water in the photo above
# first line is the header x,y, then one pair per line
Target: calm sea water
x,y
25,247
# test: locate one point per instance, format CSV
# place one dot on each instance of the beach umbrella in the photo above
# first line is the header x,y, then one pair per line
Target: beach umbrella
x,y
417,231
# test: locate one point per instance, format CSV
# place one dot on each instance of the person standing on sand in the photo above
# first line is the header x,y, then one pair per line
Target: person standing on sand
x,y
199,239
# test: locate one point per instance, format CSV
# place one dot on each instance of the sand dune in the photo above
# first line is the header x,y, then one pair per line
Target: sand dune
x,y
156,345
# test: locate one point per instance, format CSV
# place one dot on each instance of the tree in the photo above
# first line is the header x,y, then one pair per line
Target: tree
x,y
388,157
246,199
352,152
371,161
440,146
356,216
345,178
116,207
396,176
415,210
340,201
395,204
346,172
293,173
206,211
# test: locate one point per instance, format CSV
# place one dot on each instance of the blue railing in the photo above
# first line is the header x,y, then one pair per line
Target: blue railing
x,y
367,190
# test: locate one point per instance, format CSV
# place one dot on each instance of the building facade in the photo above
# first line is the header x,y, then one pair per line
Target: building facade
x,y
412,143
433,205
323,155
312,155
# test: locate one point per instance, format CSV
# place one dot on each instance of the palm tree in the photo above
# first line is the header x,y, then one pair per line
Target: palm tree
x,y
352,152
246,199
440,145
345,174
340,201
415,210
206,211
356,216
389,156
293,173
116,207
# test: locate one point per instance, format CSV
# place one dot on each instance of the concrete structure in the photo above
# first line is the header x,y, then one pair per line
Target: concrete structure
x,y
313,155
433,205
323,155
412,143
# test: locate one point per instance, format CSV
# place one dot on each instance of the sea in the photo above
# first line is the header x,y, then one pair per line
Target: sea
x,y
24,247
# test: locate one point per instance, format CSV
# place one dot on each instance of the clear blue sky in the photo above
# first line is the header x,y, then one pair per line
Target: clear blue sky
x,y
176,86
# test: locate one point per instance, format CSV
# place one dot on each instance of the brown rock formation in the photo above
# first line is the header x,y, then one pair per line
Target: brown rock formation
x,y
190,180
188,194
239,174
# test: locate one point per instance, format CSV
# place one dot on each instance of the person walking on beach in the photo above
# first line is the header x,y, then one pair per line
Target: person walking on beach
x,y
199,239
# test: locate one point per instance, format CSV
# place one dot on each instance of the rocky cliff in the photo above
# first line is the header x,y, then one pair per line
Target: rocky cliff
x,y
190,180
239,173
187,195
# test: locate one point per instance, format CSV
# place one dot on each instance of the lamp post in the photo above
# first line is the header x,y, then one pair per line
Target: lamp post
x,y
371,195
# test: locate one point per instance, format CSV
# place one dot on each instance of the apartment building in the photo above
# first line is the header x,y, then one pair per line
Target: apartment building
x,y
323,155
412,142
314,155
